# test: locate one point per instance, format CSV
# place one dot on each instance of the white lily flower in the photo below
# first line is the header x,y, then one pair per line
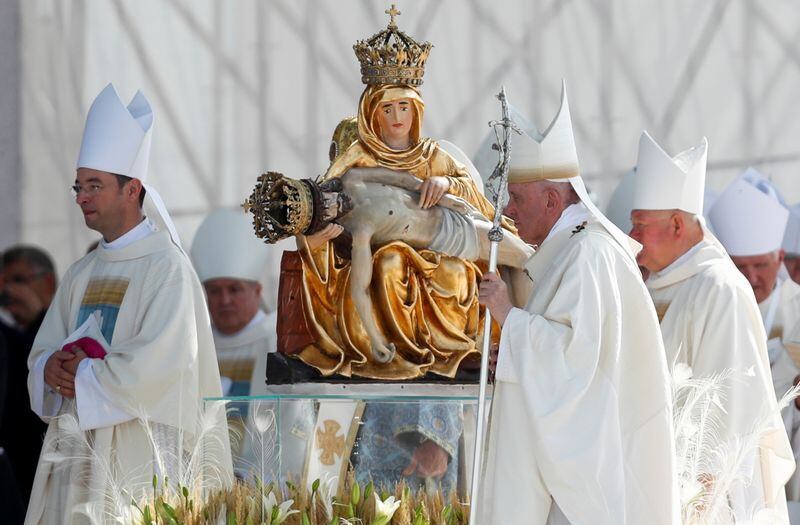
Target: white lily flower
x,y
384,510
270,502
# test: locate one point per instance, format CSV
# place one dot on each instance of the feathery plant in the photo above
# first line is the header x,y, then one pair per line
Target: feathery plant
x,y
708,465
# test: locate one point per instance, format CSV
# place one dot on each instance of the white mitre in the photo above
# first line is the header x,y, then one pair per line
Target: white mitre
x,y
669,183
552,156
791,239
748,216
116,139
619,205
225,247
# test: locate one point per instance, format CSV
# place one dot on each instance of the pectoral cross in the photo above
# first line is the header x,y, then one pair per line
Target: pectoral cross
x,y
393,12
579,228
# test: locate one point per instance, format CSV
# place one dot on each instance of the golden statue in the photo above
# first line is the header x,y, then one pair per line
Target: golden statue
x,y
424,302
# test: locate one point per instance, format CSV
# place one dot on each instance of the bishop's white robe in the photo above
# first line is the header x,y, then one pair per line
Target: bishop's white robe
x,y
711,322
160,365
242,357
781,314
581,412
784,323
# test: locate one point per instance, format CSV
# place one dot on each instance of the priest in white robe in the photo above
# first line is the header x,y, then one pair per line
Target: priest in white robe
x,y
580,427
710,321
230,261
123,398
754,242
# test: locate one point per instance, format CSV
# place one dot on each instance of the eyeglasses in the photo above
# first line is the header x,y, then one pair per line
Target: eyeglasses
x,y
91,190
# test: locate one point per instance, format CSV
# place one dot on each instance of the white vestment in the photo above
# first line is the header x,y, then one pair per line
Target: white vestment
x,y
160,364
242,356
784,317
781,314
710,321
581,412
242,361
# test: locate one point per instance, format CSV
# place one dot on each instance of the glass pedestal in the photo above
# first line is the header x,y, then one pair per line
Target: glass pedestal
x,y
356,445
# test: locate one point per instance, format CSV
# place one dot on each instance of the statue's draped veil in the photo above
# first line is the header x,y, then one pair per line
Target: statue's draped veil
x,y
422,149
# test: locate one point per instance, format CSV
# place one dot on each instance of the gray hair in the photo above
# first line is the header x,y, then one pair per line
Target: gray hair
x,y
564,189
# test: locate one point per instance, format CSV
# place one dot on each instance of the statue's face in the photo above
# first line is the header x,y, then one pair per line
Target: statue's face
x,y
395,119
335,205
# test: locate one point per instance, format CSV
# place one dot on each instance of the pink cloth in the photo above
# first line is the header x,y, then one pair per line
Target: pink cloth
x,y
90,347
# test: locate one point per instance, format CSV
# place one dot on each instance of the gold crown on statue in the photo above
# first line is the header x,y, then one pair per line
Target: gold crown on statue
x,y
281,207
391,56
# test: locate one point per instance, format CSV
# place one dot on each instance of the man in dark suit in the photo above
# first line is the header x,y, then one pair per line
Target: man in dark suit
x,y
27,286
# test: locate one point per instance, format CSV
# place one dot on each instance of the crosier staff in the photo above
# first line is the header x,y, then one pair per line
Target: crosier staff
x,y
497,185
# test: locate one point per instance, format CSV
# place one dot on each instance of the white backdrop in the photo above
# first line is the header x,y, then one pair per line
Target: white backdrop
x,y
247,86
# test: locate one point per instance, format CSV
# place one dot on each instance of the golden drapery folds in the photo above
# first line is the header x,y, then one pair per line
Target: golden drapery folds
x,y
424,302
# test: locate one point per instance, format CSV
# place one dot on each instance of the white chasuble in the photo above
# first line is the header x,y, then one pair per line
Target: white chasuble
x,y
242,357
710,321
581,413
161,363
782,319
781,314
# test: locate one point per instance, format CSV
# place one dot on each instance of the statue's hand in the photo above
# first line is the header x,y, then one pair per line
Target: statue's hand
x,y
432,191
461,206
328,233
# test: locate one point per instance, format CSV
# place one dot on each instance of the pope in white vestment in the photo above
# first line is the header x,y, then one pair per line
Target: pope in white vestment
x,y
136,411
710,321
580,426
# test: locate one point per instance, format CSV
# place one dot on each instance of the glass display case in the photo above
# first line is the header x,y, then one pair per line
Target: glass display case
x,y
376,441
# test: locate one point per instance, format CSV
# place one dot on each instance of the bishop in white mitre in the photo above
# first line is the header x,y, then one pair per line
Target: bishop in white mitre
x,y
231,261
754,242
132,409
710,321
580,427
750,221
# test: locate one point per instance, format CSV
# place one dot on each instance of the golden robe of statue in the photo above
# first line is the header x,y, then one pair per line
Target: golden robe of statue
x,y
425,303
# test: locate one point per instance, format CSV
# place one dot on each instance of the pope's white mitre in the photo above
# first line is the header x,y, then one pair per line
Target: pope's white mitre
x,y
791,239
225,247
550,155
669,183
116,137
748,217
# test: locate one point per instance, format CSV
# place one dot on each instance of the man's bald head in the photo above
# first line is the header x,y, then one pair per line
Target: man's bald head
x,y
665,235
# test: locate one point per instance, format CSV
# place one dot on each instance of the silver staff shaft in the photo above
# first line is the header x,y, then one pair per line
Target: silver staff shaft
x,y
500,180
480,432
